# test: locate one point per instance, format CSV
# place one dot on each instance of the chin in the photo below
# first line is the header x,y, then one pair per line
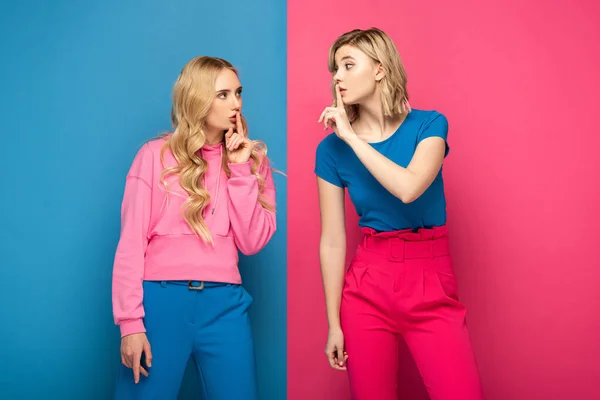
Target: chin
x,y
348,99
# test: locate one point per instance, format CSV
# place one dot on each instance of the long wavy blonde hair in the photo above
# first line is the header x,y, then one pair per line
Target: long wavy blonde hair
x,y
381,49
193,94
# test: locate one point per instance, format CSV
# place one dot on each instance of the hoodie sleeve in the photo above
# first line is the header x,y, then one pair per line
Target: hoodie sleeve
x,y
128,269
252,224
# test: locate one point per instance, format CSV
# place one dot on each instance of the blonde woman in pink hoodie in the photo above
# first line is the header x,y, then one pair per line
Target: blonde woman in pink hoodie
x,y
193,198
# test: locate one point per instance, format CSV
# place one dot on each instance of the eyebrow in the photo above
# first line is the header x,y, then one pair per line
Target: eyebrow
x,y
347,58
227,90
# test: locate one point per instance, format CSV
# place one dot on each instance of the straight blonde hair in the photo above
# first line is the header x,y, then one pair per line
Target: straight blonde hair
x,y
381,49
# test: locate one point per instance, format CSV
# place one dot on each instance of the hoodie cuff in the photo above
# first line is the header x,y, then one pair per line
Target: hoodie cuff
x,y
241,169
131,326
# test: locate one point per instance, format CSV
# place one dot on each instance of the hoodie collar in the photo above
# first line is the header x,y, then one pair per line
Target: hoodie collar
x,y
209,151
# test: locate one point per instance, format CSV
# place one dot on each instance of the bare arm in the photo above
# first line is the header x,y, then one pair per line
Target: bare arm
x,y
332,249
409,183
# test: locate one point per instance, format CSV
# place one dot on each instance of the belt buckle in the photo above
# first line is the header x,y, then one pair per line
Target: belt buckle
x,y
192,287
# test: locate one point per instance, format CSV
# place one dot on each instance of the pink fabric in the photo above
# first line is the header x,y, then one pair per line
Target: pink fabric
x,y
402,284
157,244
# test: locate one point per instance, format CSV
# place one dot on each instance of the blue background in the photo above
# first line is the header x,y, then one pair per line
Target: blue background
x,y
83,85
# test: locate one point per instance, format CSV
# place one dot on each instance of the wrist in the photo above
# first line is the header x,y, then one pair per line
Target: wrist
x,y
129,327
351,139
239,168
335,326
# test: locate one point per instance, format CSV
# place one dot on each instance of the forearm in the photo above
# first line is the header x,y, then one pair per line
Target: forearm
x,y
399,181
128,267
252,224
332,272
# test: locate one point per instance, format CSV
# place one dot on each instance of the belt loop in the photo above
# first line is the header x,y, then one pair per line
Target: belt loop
x,y
392,255
365,241
432,246
163,284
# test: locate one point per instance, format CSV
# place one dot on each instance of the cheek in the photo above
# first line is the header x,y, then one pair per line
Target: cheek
x,y
364,82
210,118
353,80
218,111
215,116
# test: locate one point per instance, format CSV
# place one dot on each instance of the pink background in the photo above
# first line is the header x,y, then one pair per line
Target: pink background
x,y
519,83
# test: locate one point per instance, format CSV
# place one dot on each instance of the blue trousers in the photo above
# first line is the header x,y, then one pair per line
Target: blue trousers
x,y
211,326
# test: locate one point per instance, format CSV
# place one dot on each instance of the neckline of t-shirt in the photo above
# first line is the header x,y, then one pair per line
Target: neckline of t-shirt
x,y
392,135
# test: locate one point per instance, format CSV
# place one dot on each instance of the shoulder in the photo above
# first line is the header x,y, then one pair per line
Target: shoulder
x,y
155,146
330,144
426,123
426,117
147,156
157,149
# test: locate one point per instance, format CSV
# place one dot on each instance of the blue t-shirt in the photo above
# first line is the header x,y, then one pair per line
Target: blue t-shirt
x,y
377,208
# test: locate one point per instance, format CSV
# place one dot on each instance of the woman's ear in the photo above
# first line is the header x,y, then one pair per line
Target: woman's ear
x,y
379,72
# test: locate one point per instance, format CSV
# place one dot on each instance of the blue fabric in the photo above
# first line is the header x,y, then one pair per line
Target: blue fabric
x,y
377,208
211,326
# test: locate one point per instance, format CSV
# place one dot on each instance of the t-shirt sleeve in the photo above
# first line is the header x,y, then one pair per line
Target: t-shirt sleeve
x,y
436,126
325,167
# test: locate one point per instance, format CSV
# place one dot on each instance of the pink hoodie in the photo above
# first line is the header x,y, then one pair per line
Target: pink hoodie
x,y
157,244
